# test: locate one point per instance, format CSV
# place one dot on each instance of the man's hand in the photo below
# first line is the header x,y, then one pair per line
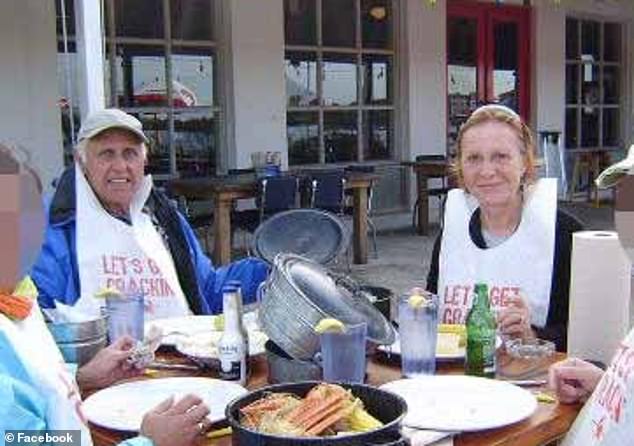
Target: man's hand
x,y
573,380
176,424
514,321
108,366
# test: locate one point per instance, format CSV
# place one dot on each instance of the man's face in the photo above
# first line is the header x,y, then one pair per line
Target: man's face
x,y
114,167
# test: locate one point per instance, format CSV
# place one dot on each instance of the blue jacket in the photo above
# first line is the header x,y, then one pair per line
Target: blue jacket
x,y
56,274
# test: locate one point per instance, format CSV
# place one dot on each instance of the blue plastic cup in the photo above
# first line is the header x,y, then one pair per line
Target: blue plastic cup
x,y
125,316
343,354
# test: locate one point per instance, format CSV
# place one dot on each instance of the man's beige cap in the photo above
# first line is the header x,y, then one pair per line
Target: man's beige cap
x,y
110,118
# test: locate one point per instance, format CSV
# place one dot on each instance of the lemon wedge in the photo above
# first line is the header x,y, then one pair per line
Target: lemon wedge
x,y
108,292
330,325
416,300
26,288
458,329
219,322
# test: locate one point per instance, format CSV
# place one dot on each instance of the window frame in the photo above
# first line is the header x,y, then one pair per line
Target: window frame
x,y
359,52
215,111
579,65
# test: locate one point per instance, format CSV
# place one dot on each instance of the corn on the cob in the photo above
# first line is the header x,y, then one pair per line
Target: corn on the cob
x,y
361,421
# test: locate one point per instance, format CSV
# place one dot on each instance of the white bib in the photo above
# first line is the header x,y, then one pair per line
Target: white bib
x,y
43,361
521,265
130,258
607,419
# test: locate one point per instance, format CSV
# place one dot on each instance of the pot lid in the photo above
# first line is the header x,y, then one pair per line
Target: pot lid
x,y
317,285
313,234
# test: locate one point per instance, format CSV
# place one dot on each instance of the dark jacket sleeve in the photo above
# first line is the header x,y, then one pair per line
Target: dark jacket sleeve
x,y
556,328
432,274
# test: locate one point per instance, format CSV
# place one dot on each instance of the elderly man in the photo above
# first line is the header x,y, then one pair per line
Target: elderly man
x,y
108,227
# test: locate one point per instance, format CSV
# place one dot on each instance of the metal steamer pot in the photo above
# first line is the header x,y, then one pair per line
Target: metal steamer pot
x,y
299,293
385,406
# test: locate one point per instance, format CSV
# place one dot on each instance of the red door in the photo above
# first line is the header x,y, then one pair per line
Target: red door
x,y
487,59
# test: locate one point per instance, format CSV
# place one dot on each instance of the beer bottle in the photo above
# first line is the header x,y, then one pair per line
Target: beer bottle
x,y
231,346
238,285
481,325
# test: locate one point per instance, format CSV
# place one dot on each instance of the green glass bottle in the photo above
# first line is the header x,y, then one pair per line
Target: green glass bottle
x,y
481,325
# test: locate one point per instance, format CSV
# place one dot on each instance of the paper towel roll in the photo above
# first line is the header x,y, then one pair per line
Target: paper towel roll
x,y
599,295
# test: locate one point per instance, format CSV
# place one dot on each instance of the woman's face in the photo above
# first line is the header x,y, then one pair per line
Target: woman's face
x,y
492,163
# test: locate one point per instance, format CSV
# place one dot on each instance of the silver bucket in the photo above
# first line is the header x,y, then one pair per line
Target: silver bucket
x,y
79,342
298,294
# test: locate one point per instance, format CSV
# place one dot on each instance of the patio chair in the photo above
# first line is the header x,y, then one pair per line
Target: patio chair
x,y
438,192
199,215
327,191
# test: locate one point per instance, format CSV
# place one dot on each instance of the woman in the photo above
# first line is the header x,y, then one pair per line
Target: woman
x,y
503,227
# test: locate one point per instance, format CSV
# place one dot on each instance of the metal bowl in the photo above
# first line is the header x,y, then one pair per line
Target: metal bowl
x,y
385,406
284,369
81,352
78,331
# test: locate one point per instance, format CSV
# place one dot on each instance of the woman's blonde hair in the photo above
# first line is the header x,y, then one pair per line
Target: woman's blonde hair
x,y
505,115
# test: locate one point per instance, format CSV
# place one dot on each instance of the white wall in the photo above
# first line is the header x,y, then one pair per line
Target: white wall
x,y
423,57
257,75
28,82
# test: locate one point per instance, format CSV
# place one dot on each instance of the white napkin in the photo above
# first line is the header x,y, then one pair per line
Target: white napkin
x,y
422,437
611,175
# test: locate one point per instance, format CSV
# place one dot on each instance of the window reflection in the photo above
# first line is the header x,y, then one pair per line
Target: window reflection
x,y
377,134
300,22
338,23
339,80
611,128
340,136
195,143
376,16
141,76
300,74
139,18
155,128
571,128
302,133
192,19
590,127
572,83
193,77
378,79
590,40
612,42
505,69
611,85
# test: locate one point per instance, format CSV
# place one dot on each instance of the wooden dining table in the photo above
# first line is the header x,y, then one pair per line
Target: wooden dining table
x,y
425,170
548,423
223,191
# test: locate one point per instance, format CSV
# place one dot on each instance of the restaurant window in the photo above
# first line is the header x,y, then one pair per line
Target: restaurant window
x,y
161,66
593,85
339,74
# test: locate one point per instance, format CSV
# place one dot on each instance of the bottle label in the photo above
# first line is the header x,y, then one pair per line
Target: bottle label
x,y
232,362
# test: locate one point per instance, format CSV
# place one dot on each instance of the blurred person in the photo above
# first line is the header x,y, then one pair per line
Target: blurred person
x,y
109,227
606,418
502,227
37,390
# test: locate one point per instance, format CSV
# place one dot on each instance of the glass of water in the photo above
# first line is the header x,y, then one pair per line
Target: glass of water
x,y
418,332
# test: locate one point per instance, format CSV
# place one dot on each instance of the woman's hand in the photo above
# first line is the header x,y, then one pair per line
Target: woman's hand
x,y
573,380
514,321
176,424
108,366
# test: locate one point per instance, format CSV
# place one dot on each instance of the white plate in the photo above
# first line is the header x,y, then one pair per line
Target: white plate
x,y
187,326
462,403
395,349
205,345
122,407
